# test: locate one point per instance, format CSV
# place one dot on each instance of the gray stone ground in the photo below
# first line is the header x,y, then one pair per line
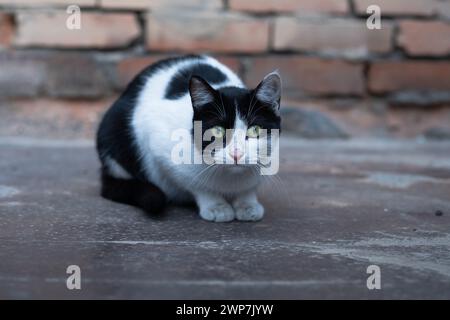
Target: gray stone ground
x,y
336,208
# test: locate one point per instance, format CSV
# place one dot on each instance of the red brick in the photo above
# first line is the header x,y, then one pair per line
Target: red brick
x,y
162,4
48,29
71,75
309,76
206,31
399,7
22,76
231,62
52,118
301,6
425,38
6,29
129,67
128,4
391,76
355,116
341,36
76,75
47,3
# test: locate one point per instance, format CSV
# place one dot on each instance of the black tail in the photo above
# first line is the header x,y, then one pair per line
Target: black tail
x,y
140,194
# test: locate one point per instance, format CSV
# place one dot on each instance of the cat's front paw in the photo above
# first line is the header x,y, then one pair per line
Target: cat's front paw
x,y
249,211
219,212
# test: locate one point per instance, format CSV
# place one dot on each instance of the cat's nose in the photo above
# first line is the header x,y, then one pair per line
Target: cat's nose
x,y
236,154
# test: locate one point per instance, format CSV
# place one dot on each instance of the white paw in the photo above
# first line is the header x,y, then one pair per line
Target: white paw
x,y
249,211
219,212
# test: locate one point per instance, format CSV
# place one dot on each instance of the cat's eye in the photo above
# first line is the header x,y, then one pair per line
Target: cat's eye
x,y
254,131
218,132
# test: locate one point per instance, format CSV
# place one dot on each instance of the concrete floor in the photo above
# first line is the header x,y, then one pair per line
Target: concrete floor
x,y
336,208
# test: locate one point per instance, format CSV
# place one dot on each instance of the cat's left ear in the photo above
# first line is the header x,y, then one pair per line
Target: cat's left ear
x,y
269,90
201,92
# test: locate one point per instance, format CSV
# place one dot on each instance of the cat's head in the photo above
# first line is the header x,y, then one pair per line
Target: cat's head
x,y
239,126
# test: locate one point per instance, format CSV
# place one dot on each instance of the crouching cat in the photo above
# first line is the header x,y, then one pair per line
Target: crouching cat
x,y
135,139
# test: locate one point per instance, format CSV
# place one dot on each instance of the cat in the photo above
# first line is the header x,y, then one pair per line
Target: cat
x,y
135,145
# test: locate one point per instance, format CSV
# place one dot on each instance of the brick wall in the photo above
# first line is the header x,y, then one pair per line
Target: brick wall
x,y
393,81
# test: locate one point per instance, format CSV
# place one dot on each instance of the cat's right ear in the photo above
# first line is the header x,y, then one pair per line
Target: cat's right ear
x,y
201,92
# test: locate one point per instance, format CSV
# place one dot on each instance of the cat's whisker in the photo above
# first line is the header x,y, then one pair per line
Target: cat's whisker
x,y
253,114
220,110
198,175
214,112
251,105
279,183
211,174
221,101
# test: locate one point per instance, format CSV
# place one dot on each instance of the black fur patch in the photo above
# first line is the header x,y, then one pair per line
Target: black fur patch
x,y
133,192
179,84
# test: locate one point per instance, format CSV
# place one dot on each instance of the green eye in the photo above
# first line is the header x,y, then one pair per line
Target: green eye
x,y
253,131
218,132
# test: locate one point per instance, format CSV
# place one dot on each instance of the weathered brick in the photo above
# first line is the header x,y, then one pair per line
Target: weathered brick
x,y
355,116
47,3
129,4
300,6
412,122
399,7
426,38
206,31
72,75
162,4
335,36
52,118
391,76
6,29
77,75
309,76
48,29
129,67
21,76
231,62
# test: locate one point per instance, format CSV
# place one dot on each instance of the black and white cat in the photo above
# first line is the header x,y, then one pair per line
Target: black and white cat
x,y
135,144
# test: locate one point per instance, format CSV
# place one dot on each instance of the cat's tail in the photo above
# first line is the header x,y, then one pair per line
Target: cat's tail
x,y
144,195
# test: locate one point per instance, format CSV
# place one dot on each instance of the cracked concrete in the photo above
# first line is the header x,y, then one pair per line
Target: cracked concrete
x,y
336,208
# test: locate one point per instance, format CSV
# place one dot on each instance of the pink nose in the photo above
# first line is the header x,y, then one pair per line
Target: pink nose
x,y
236,155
